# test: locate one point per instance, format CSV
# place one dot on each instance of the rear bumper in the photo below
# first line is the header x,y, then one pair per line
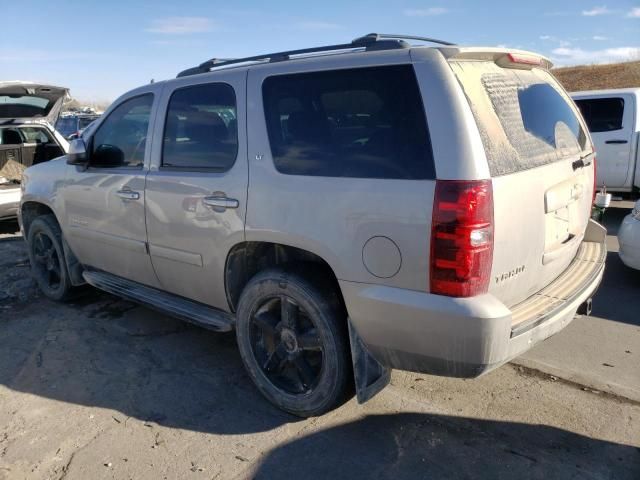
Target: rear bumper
x,y
629,238
466,337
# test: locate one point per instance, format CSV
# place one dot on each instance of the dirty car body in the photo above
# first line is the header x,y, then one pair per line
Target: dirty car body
x,y
435,200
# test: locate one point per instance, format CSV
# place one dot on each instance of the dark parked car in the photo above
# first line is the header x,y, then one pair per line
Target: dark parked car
x,y
71,126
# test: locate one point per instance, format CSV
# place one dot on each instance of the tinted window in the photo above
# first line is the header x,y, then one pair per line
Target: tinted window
x,y
121,139
201,129
525,119
366,123
602,114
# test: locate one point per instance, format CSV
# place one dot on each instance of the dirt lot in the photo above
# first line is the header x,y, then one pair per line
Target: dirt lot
x,y
103,388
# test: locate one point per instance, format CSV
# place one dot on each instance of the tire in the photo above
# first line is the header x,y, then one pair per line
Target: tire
x,y
46,255
293,340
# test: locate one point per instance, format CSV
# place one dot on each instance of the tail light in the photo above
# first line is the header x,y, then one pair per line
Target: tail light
x,y
461,238
524,59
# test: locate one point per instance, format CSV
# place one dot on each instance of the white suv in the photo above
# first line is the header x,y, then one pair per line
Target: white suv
x,y
346,209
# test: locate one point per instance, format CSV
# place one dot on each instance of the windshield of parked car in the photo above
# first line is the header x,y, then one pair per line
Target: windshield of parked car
x,y
67,125
84,122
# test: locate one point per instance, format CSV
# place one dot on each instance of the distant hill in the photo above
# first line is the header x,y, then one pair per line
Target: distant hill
x,y
596,77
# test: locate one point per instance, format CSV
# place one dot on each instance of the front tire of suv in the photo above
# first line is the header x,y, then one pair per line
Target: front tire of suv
x,y
294,343
46,256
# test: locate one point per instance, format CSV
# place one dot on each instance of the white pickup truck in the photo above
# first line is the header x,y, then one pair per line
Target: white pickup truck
x,y
613,119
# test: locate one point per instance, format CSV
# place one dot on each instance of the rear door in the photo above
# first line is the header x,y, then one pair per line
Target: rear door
x,y
196,190
540,161
610,120
341,165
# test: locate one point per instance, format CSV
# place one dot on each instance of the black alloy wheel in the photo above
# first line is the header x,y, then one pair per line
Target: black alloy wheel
x,y
46,255
292,335
47,264
286,344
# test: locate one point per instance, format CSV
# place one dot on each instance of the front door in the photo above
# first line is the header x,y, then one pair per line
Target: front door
x,y
196,190
104,204
611,121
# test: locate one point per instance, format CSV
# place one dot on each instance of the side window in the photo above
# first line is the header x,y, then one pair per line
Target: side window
x,y
35,135
602,114
365,123
201,129
121,139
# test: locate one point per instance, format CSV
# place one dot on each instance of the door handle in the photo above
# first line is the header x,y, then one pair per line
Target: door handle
x,y
221,202
128,195
616,142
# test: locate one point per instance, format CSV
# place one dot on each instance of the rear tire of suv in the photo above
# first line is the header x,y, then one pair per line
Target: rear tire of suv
x,y
294,342
46,256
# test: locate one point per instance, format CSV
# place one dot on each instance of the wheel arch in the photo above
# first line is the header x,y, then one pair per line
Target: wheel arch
x,y
30,210
246,259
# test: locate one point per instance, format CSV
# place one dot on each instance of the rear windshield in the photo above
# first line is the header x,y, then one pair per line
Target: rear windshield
x,y
16,106
525,119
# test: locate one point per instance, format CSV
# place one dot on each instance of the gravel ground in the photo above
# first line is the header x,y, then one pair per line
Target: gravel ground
x,y
103,388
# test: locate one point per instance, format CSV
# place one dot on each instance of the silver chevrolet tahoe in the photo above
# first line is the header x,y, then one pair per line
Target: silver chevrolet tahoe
x,y
347,210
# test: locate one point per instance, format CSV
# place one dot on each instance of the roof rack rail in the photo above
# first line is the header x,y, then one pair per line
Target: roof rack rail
x,y
376,37
205,67
369,42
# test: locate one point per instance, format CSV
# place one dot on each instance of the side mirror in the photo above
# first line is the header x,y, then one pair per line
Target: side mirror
x,y
77,154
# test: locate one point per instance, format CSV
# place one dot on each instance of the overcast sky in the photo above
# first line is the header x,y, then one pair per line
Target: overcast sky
x,y
100,49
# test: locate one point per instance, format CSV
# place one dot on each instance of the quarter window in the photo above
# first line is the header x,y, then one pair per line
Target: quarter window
x,y
366,123
602,114
121,139
201,130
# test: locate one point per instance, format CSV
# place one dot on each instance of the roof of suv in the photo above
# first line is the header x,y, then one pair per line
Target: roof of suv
x,y
369,42
372,42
